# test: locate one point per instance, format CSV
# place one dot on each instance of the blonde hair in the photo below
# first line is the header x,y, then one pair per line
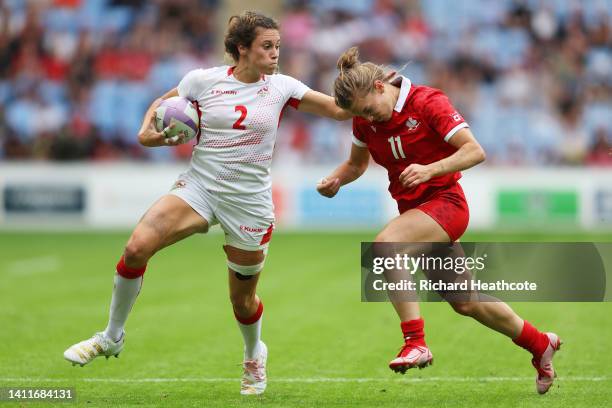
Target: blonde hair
x,y
356,78
242,30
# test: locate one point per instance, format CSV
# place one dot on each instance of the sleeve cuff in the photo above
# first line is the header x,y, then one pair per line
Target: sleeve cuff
x,y
358,142
301,92
455,130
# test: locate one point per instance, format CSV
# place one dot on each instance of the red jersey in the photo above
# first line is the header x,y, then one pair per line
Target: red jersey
x,y
418,132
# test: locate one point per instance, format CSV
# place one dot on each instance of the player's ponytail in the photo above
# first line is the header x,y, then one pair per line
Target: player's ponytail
x,y
355,79
349,59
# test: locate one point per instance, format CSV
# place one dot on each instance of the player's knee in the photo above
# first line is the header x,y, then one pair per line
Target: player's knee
x,y
464,308
137,252
385,236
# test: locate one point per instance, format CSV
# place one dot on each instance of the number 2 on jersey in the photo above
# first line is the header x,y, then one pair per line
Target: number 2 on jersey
x,y
393,141
243,112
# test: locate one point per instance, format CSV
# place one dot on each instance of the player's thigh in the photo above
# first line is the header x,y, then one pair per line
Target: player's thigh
x,y
248,223
413,226
169,220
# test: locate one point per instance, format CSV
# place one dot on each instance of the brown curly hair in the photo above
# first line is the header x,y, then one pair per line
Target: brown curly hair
x,y
242,30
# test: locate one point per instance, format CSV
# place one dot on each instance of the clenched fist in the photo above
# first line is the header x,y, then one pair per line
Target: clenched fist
x,y
328,187
415,174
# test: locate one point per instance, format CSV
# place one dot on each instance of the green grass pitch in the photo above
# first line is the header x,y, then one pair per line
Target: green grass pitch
x,y
327,349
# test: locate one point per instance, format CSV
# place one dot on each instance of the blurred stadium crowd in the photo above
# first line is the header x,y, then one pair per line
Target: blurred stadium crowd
x,y
533,78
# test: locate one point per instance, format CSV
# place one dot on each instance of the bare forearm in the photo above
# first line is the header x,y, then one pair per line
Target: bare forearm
x,y
147,136
323,105
147,116
467,156
342,114
348,172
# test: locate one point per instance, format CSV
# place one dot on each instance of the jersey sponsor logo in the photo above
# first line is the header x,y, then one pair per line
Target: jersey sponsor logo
x,y
263,91
223,92
412,123
456,116
250,229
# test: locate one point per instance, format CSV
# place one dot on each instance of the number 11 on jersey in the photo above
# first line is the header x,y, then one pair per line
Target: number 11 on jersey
x,y
393,141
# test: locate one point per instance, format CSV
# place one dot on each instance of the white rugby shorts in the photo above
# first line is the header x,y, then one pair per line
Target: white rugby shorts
x,y
247,220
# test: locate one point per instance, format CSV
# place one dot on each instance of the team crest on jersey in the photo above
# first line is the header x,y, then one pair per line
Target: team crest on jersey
x,y
263,91
412,123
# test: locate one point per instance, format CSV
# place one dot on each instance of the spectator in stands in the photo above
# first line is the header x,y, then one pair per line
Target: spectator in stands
x,y
511,61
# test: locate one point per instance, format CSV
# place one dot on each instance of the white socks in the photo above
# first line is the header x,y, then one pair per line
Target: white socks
x,y
125,292
251,334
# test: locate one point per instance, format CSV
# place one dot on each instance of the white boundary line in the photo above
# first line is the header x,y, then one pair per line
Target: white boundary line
x,y
298,380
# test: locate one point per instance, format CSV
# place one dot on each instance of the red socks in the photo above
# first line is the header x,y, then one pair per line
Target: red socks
x,y
252,319
413,331
127,272
532,340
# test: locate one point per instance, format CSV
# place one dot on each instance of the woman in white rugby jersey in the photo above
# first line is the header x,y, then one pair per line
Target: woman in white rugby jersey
x,y
228,182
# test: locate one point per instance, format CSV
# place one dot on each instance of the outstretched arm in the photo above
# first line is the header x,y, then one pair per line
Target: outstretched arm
x,y
148,135
469,154
347,172
323,105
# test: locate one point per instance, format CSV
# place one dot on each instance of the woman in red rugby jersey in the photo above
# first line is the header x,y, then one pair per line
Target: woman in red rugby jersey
x,y
415,133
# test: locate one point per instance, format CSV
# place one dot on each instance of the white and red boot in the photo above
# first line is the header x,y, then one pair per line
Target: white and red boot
x,y
414,352
543,347
543,364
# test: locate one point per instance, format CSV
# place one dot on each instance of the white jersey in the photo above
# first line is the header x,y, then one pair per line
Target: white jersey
x,y
238,124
